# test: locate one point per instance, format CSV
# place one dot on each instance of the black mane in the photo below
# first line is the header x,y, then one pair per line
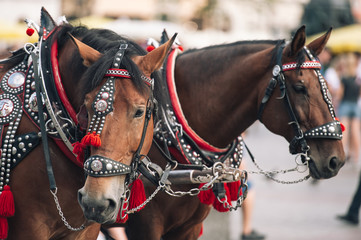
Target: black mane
x,y
107,42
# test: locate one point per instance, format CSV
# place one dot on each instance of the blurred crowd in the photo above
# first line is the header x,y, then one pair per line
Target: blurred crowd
x,y
343,75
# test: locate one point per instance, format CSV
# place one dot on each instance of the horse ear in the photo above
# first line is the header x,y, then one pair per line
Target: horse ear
x,y
319,43
297,43
154,59
87,53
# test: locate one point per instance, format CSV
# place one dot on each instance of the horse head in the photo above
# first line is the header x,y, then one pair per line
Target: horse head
x,y
308,121
120,125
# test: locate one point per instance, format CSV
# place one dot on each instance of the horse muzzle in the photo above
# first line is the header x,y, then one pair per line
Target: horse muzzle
x,y
98,209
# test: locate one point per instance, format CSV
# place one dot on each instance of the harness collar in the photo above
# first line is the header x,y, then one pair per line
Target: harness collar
x,y
174,134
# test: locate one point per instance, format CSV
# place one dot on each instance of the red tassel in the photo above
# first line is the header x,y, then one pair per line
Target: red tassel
x,y
150,48
137,195
218,205
87,139
233,188
181,48
207,196
91,139
3,228
7,208
30,32
95,140
79,151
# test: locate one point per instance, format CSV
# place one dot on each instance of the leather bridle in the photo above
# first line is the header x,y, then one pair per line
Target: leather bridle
x,y
329,130
100,166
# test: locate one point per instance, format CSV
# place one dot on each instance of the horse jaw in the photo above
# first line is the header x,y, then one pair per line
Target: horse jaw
x,y
100,198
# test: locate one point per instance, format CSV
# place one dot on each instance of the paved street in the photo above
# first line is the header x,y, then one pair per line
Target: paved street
x,y
300,211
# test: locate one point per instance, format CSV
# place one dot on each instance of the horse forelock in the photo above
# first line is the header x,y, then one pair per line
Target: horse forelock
x,y
107,42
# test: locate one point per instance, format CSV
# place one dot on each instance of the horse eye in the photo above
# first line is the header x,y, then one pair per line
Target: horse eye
x,y
139,113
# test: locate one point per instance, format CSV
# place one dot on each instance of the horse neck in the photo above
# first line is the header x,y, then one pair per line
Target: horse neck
x,y
219,89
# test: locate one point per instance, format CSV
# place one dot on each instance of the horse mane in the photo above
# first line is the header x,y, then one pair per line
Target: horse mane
x,y
251,46
107,42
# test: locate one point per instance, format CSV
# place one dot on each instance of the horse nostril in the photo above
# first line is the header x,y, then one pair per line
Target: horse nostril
x,y
112,205
333,164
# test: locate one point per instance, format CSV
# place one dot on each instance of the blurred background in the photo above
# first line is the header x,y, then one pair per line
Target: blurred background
x,y
198,22
306,210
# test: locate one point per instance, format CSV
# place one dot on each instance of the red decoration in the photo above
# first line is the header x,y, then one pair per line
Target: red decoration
x,y
150,48
181,48
233,188
137,194
79,151
207,196
30,32
3,228
123,214
343,128
218,205
7,209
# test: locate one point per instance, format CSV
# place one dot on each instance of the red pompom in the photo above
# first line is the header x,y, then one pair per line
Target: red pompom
x,y
137,195
207,196
343,128
150,48
180,48
30,32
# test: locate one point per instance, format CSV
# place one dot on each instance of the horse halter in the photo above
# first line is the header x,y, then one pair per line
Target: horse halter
x,y
99,166
330,130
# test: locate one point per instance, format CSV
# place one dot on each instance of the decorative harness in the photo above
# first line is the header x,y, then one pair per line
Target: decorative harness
x,y
99,166
330,130
173,132
34,87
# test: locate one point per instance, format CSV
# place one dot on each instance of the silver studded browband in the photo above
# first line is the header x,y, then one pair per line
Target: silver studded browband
x,y
99,166
123,73
328,130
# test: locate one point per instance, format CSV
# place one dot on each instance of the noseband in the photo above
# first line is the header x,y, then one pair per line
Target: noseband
x,y
100,166
330,130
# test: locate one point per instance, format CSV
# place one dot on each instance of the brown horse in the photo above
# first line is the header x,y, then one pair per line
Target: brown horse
x,y
103,76
222,90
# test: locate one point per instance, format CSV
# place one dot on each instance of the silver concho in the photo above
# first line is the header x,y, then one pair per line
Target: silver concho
x,y
101,105
96,165
10,105
16,79
33,102
6,107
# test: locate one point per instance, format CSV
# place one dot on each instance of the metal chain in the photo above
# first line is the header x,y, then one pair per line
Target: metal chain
x,y
193,191
56,200
270,174
136,209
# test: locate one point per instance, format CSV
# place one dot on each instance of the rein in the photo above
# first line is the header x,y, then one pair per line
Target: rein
x,y
330,130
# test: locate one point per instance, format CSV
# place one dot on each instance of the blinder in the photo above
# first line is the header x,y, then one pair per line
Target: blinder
x,y
330,130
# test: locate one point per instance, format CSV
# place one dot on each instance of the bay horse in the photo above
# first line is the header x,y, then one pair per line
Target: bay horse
x,y
78,73
222,90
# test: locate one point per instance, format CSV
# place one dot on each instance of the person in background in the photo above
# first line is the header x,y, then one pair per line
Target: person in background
x,y
248,233
348,111
353,213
